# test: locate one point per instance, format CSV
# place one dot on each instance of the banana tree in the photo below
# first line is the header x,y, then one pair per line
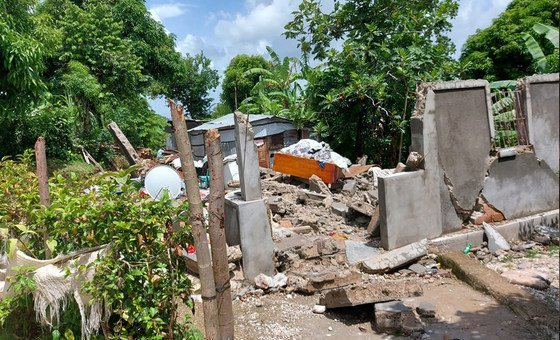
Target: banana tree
x,y
551,34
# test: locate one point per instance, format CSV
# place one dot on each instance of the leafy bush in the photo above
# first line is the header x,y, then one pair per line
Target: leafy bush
x,y
142,278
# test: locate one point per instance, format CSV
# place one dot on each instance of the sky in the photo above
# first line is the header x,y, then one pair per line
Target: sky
x,y
221,29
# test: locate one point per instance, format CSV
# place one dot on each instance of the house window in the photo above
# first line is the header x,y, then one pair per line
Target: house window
x,y
510,123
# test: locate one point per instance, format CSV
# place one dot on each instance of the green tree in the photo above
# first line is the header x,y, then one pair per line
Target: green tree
x,y
498,52
236,86
543,63
364,92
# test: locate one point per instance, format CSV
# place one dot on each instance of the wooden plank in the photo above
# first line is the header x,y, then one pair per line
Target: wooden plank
x,y
305,168
125,146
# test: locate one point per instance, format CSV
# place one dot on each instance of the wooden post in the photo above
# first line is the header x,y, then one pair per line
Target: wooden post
x,y
43,179
125,146
196,220
217,233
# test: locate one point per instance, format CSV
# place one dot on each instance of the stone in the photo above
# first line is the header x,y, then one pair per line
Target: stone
x,y
362,207
234,254
276,205
373,226
414,161
495,240
316,184
305,195
542,239
395,258
528,278
358,251
418,269
304,229
349,187
319,309
339,208
426,309
330,246
370,293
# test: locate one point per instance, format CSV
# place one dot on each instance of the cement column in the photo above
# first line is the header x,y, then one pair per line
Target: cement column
x,y
247,159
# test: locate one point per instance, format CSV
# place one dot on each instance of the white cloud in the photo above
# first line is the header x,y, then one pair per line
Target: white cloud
x,y
168,10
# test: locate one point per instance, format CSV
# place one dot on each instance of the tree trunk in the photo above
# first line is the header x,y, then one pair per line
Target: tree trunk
x,y
43,179
217,233
196,219
360,140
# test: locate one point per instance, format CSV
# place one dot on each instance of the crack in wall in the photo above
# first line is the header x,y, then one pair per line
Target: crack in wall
x,y
463,213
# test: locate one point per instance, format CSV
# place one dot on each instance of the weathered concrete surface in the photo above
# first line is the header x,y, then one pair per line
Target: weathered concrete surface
x,y
247,158
395,258
542,92
406,215
390,317
517,229
528,278
317,281
358,251
495,240
521,186
370,293
521,302
464,144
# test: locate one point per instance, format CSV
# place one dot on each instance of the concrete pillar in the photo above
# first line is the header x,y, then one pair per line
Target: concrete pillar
x,y
247,159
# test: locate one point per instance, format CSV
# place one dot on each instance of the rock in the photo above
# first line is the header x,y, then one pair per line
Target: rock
x,y
418,269
328,201
362,207
542,239
405,272
395,258
232,266
316,184
319,309
528,278
495,240
374,226
305,195
400,167
349,187
359,251
304,229
370,293
426,310
263,281
234,254
276,205
414,161
330,329
394,316
258,303
339,208
330,246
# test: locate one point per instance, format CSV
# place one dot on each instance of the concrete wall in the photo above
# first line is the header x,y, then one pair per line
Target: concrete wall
x,y
452,127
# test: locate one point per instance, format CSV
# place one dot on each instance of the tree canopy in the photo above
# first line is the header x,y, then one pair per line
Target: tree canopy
x,y
498,52
70,66
237,86
363,94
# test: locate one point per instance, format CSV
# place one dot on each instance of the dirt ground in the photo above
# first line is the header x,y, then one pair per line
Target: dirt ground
x,y
462,313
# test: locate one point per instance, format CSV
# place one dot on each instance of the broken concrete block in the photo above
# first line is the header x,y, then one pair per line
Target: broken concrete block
x,y
276,205
304,195
388,316
414,161
329,246
349,187
370,293
285,223
400,168
528,278
395,258
426,310
308,251
316,184
495,240
374,226
317,281
339,209
319,309
418,269
304,229
359,251
234,254
489,214
362,207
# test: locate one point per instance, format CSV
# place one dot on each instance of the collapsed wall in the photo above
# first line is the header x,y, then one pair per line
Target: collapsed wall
x,y
465,174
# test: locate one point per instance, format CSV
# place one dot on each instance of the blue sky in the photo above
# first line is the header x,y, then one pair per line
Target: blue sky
x,y
225,28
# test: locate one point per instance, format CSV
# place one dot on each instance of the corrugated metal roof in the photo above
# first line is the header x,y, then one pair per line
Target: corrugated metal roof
x,y
228,121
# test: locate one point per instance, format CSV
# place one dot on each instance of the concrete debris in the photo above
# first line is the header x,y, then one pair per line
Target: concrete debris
x,y
349,187
395,258
546,234
312,282
362,207
319,309
266,282
418,269
339,209
359,251
426,310
394,316
414,161
495,240
316,184
529,278
371,292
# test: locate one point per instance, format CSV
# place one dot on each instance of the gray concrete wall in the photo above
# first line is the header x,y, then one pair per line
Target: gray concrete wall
x,y
452,127
542,106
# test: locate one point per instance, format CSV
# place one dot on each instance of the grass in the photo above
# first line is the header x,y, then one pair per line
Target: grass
x,y
507,258
531,253
553,249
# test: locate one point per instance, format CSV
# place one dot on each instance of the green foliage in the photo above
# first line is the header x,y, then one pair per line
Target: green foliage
x,y
364,93
142,278
551,34
69,67
236,85
498,52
